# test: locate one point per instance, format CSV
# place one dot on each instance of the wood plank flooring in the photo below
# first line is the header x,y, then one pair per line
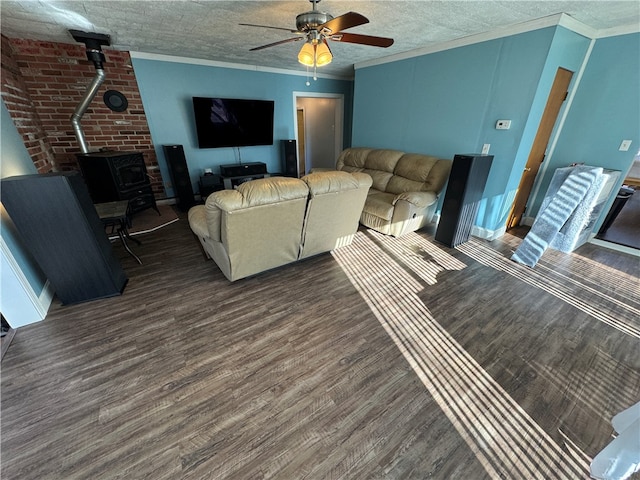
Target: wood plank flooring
x,y
388,359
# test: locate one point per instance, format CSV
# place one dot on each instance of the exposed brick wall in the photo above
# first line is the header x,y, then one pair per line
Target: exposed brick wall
x,y
23,112
56,76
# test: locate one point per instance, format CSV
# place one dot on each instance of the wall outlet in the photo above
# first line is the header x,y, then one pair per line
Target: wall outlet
x,y
485,148
624,146
503,124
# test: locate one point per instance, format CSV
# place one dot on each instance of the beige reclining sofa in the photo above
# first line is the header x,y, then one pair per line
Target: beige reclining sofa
x,y
405,187
273,221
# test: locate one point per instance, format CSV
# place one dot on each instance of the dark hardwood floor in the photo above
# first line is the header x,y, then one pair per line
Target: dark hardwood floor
x,y
387,359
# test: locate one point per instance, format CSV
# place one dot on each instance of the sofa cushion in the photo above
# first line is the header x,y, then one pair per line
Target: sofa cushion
x,y
380,178
412,174
352,159
419,199
399,184
380,204
415,166
320,183
385,160
263,191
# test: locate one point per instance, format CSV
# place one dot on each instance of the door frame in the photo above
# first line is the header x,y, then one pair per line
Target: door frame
x,y
539,148
301,144
339,130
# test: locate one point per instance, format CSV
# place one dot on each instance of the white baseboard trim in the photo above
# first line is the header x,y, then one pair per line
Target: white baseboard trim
x,y
527,221
478,231
487,234
167,201
616,247
46,298
19,313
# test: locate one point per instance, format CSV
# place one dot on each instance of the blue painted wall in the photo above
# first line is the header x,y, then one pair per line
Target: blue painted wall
x,y
448,102
167,87
605,111
16,161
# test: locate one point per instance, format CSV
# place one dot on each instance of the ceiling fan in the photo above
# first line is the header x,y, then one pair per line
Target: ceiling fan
x,y
317,27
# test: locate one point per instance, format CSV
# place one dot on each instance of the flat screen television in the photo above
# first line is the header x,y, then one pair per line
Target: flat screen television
x,y
233,122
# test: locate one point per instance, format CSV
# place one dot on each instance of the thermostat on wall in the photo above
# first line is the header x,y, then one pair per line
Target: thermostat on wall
x,y
503,124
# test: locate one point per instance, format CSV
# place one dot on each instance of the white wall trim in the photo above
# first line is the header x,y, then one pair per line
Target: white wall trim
x,y
487,234
560,19
339,115
616,31
501,32
527,221
574,25
477,231
237,66
40,302
614,246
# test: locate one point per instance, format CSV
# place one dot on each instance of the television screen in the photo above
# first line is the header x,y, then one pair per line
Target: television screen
x,y
231,122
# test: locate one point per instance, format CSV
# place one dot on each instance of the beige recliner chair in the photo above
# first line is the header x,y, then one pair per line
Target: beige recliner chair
x,y
270,222
335,203
254,228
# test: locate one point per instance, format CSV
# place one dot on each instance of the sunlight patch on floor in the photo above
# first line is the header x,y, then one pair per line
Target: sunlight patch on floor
x,y
571,290
504,438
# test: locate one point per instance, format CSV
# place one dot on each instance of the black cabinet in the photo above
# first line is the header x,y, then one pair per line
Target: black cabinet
x,y
58,223
208,184
467,180
113,176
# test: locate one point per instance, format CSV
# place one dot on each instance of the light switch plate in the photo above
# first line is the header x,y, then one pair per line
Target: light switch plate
x,y
485,148
624,146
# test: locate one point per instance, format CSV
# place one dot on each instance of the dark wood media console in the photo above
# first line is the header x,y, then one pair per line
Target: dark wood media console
x,y
235,174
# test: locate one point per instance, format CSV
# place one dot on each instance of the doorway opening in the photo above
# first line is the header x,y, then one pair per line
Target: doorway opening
x,y
621,226
319,123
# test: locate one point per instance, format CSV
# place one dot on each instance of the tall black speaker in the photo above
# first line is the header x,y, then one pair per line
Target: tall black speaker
x,y
55,216
468,177
289,158
174,154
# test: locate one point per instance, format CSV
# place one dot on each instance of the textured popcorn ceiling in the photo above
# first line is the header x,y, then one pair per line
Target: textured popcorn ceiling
x,y
210,29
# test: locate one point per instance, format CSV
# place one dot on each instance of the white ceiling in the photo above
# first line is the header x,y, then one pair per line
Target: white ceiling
x,y
209,29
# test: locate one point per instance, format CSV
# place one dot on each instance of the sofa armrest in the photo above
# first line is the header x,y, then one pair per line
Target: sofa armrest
x,y
419,199
198,221
215,204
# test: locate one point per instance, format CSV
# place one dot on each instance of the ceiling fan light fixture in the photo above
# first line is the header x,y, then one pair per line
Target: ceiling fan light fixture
x,y
307,54
323,55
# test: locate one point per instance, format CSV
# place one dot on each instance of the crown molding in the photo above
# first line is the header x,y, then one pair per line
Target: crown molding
x,y
559,19
238,66
501,32
615,31
574,25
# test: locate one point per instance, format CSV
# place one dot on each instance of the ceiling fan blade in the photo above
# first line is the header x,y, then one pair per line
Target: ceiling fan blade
x,y
295,39
268,26
348,20
362,39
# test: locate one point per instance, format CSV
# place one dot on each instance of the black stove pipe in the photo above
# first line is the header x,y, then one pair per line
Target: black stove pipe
x,y
93,42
